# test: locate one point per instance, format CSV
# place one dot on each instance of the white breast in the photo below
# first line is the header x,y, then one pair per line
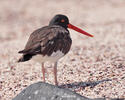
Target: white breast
x,y
55,56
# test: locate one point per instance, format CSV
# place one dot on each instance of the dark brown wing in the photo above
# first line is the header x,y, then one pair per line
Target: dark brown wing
x,y
47,40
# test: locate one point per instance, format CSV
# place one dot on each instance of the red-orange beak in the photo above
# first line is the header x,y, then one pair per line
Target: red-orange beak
x,y
79,30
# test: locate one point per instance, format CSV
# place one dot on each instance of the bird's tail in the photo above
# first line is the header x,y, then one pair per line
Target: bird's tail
x,y
25,57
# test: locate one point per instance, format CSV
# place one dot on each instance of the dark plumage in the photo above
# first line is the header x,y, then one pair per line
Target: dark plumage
x,y
47,40
50,43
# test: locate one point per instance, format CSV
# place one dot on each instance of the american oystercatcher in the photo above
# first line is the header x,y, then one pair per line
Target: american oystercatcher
x,y
50,43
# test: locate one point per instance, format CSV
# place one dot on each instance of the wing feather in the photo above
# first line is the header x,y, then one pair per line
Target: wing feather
x,y
47,40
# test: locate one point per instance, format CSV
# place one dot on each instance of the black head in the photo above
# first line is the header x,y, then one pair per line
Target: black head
x,y
61,20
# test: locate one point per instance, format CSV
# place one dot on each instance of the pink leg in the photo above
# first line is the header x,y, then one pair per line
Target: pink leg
x,y
43,71
55,73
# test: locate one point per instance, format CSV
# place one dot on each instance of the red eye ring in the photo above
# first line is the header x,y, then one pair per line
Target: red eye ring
x,y
62,20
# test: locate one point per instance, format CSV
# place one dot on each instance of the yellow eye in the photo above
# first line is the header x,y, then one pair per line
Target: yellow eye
x,y
62,20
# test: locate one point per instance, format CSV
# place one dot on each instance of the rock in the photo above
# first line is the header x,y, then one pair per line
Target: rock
x,y
45,91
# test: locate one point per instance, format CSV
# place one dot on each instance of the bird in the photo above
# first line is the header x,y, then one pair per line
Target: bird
x,y
50,43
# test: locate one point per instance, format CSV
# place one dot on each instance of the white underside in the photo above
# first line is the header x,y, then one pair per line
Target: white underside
x,y
53,58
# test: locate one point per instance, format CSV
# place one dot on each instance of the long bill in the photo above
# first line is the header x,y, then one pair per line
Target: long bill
x,y
79,30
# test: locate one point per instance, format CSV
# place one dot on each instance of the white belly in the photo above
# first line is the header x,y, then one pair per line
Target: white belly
x,y
53,58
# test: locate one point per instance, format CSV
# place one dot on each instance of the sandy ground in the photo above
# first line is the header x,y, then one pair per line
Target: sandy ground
x,y
90,59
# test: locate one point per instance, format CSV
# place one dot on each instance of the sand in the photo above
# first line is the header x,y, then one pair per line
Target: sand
x,y
90,59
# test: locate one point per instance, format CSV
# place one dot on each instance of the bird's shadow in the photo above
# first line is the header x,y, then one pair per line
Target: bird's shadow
x,y
82,85
79,85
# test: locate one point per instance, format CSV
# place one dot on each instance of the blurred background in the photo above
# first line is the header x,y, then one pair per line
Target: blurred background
x,y
90,59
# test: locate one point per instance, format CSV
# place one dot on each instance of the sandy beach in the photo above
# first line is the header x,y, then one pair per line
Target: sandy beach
x,y
89,60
